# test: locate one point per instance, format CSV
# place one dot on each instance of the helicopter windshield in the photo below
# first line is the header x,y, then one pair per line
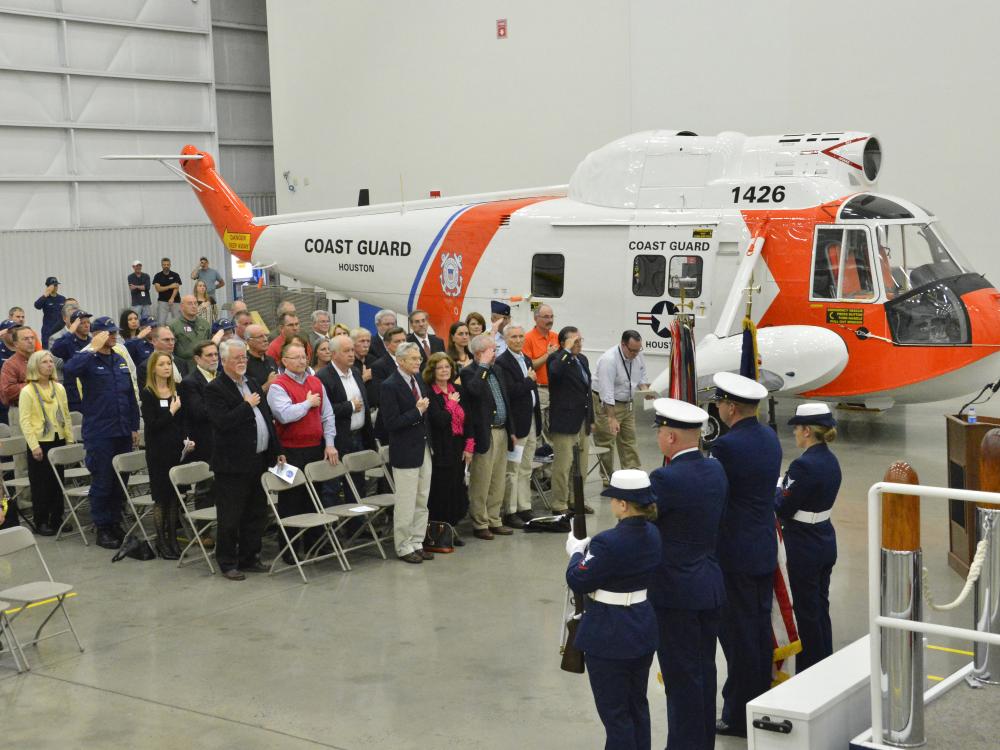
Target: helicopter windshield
x,y
912,255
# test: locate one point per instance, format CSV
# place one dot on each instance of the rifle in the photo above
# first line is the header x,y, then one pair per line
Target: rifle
x,y
572,657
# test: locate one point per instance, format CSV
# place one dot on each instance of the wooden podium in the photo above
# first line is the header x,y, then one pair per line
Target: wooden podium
x,y
964,442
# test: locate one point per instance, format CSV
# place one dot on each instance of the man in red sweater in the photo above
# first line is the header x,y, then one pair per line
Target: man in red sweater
x,y
303,417
289,327
15,369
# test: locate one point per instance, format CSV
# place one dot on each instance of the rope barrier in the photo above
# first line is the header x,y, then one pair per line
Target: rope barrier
x,y
975,568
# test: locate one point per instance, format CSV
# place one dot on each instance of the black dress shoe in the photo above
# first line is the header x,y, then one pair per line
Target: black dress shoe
x,y
107,539
253,567
425,554
723,728
233,575
44,529
458,542
588,510
526,515
513,521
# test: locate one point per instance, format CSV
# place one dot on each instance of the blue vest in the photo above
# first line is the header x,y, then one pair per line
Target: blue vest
x,y
690,497
751,455
621,559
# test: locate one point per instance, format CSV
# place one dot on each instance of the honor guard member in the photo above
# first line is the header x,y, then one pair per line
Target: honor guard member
x,y
687,591
748,546
110,424
803,503
618,631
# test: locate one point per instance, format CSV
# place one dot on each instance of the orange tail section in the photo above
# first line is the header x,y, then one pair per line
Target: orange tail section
x,y
229,215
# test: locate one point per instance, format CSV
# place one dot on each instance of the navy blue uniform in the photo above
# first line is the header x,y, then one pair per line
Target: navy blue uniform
x,y
618,641
65,347
52,320
811,485
688,593
139,350
110,416
748,555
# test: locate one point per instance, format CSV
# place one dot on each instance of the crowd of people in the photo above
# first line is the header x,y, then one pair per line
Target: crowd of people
x,y
466,420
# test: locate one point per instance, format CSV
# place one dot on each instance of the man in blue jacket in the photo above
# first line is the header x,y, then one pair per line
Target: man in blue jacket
x,y
51,304
110,424
687,591
748,546
76,337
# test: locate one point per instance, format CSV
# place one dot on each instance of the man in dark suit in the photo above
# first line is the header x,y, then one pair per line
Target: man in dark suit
x,y
419,335
571,412
163,340
687,592
196,417
748,546
364,359
384,320
403,407
490,421
350,406
522,387
382,369
246,444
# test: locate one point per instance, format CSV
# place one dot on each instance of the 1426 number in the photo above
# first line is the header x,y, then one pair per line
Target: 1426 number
x,y
759,194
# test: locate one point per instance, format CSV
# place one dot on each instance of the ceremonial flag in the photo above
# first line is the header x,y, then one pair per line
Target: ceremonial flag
x,y
784,633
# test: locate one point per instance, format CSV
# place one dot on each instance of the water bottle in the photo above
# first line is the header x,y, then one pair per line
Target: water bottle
x,y
972,415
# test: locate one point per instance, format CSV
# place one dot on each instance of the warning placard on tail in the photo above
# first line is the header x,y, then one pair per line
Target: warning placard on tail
x,y
237,242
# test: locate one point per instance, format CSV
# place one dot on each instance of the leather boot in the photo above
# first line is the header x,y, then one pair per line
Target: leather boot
x,y
170,532
159,524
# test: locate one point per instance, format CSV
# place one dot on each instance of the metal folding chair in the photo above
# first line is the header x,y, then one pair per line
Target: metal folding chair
x,y
299,524
34,594
65,461
4,430
536,483
7,635
76,417
11,448
131,471
189,475
322,471
364,461
596,451
14,420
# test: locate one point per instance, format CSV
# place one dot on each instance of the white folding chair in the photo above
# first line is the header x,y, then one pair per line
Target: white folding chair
x,y
322,471
299,524
11,448
76,417
14,420
36,593
596,451
131,471
4,430
364,461
189,475
68,459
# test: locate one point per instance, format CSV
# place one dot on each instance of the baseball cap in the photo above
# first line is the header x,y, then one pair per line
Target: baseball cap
x,y
104,323
77,314
51,280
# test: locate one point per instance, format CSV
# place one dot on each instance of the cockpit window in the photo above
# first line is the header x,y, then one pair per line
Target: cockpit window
x,y
842,266
873,207
912,255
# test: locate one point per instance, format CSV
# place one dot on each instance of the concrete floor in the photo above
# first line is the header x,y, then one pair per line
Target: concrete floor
x,y
461,651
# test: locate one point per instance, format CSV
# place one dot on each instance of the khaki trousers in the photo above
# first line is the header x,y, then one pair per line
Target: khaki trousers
x,y
518,493
562,465
410,512
543,404
486,482
625,440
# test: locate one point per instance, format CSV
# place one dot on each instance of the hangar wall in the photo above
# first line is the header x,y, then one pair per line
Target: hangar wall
x,y
365,92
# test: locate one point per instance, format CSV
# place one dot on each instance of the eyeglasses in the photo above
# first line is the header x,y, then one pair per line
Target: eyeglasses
x,y
237,358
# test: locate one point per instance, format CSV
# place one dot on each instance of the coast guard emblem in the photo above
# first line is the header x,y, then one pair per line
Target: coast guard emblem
x,y
451,274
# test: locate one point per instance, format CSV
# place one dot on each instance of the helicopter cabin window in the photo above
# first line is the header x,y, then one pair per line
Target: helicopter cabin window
x,y
548,272
685,275
649,273
842,266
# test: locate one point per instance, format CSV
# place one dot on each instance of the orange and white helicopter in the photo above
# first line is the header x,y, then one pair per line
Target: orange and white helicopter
x,y
861,297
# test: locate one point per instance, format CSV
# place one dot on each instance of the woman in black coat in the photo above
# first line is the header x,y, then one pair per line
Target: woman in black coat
x,y
451,444
165,441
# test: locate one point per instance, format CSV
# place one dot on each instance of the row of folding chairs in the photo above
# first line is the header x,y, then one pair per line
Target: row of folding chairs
x,y
337,535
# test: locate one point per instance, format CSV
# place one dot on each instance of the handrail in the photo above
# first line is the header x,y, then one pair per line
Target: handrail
x,y
875,619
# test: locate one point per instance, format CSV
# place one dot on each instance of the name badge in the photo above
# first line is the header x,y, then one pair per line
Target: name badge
x,y
164,403
187,329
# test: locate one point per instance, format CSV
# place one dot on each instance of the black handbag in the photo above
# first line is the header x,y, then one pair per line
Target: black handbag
x,y
135,547
551,524
440,537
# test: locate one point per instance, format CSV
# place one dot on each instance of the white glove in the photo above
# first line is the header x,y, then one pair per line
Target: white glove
x,y
574,545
